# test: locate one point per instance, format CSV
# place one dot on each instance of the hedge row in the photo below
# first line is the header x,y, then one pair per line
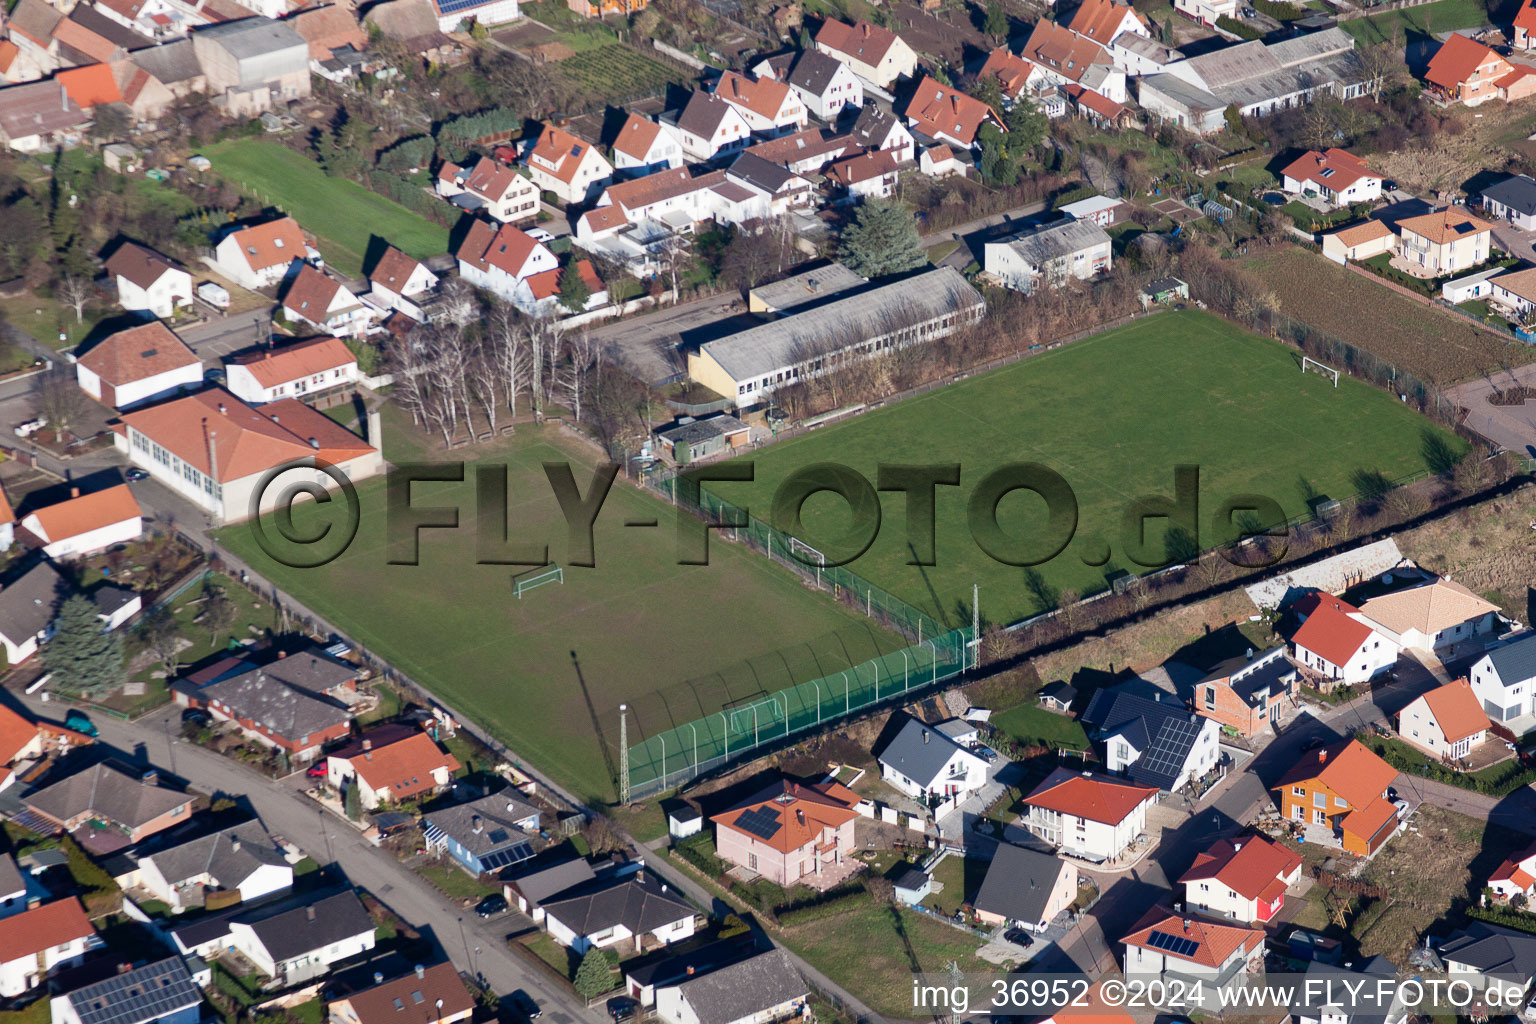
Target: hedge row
x,y
1507,918
1500,780
837,900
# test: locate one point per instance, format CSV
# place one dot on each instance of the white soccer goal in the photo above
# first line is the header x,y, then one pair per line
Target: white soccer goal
x,y
1308,363
808,555
538,578
753,717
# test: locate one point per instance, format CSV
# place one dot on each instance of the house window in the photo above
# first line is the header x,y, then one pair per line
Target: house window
x,y
1300,791
1319,799
1321,817
752,861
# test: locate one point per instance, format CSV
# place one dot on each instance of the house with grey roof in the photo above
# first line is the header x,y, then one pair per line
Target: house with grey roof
x,y
1049,256
40,116
635,909
1321,997
1151,736
758,990
806,288
13,887
925,763
1514,200
1504,681
243,858
529,890
690,439
784,189
300,943
289,703
1025,887
709,127
1256,77
1482,953
749,365
174,65
107,806
160,992
253,65
487,834
27,607
824,84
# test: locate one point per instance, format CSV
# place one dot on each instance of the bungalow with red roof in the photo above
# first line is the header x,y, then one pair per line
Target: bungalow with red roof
x,y
148,282
1011,71
572,168
1243,879
300,370
261,254
389,764
1339,792
644,145
1467,72
398,280
1359,241
1448,722
141,364
84,523
212,448
40,940
947,115
791,833
491,187
769,107
1523,30
324,303
1516,876
875,54
1336,176
1339,642
941,161
1192,946
1094,817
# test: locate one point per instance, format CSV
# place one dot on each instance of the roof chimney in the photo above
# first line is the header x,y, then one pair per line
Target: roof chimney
x,y
1186,926
800,815
474,823
378,977
690,970
309,913
1250,654
512,807
74,492
925,735
281,655
314,443
150,777
421,972
234,843
223,411
1322,756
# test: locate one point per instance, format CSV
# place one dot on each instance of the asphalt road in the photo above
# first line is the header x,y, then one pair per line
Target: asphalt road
x,y
474,945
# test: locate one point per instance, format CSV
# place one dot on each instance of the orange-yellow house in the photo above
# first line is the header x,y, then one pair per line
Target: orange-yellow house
x,y
1343,785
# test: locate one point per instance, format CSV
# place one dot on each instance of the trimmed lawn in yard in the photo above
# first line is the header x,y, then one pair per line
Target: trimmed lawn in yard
x,y
342,214
1032,725
455,883
1441,16
44,318
961,877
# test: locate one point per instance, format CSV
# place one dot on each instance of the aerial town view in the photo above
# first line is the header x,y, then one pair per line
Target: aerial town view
x,y
752,511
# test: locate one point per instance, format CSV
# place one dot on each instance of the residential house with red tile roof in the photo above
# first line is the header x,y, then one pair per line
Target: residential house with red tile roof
x,y
40,940
709,127
1336,176
437,991
1337,641
148,282
1523,29
826,85
945,114
1192,946
812,150
20,740
1516,875
1448,722
1339,792
324,303
301,369
769,107
501,259
870,174
570,167
212,448
790,833
90,85
644,146
1359,241
1104,21
397,281
391,763
491,187
1011,71
875,54
1092,1008
327,28
1467,72
1063,57
1093,817
261,254
84,523
941,161
141,364
1242,879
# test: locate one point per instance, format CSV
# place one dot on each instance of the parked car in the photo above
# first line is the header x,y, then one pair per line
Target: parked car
x,y
621,1009
137,474
31,427
316,770
540,235
197,716
77,721
523,1003
1019,937
492,905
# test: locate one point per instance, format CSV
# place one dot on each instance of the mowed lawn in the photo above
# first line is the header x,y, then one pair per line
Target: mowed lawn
x,y
342,214
1114,415
547,671
1441,16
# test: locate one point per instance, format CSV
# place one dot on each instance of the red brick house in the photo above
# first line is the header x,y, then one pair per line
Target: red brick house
x,y
1244,695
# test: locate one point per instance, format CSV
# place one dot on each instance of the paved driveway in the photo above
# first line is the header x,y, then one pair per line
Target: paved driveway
x,y
1509,426
955,827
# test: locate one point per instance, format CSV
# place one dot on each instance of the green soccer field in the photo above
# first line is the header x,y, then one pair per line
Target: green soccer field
x,y
1113,414
545,672
342,214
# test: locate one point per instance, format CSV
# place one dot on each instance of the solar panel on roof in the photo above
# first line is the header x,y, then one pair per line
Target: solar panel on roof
x,y
453,6
499,835
762,822
511,855
1178,945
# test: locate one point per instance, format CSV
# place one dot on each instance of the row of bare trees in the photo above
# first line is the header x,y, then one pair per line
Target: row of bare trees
x,y
477,367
